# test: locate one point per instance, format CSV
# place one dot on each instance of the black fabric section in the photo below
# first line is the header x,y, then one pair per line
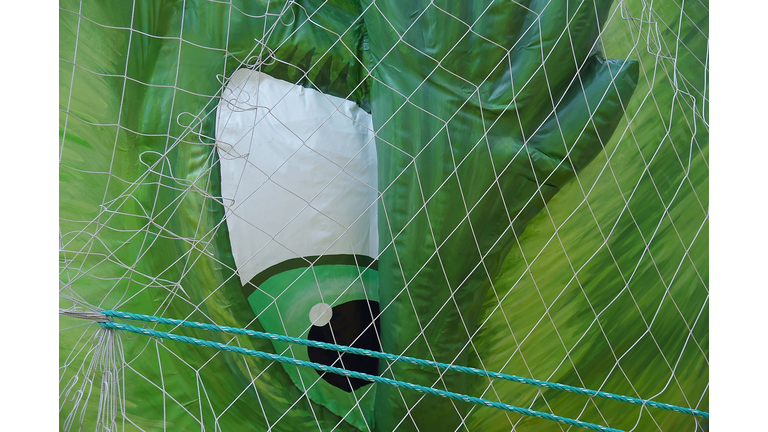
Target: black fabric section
x,y
351,321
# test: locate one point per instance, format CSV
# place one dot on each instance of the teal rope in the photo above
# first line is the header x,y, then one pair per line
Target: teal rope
x,y
416,361
359,375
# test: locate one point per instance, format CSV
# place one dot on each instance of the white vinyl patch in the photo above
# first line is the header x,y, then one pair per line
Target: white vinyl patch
x,y
298,173
320,314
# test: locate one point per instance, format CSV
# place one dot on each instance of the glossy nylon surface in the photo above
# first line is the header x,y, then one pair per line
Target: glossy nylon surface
x,y
638,224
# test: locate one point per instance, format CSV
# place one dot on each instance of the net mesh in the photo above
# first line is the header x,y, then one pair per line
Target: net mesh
x,y
606,288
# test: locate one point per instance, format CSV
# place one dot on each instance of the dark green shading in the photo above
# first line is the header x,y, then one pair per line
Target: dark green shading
x,y
361,261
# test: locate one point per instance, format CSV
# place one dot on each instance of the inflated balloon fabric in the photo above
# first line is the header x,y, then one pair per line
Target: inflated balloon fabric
x,y
515,186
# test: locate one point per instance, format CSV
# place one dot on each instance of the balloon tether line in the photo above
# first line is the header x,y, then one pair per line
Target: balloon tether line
x,y
353,374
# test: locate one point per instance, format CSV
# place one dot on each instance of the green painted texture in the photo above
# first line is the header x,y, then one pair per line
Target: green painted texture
x,y
481,119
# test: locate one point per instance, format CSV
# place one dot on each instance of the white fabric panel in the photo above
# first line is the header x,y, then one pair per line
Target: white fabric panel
x,y
298,171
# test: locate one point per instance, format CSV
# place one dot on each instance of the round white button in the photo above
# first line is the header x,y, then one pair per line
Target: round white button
x,y
320,314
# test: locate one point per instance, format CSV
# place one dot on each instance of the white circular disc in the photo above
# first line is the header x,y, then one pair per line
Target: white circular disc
x,y
320,314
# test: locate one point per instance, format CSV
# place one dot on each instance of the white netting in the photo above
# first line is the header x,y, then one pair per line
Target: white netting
x,y
607,287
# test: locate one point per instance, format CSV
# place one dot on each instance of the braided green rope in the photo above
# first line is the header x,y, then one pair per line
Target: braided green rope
x,y
359,375
391,357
